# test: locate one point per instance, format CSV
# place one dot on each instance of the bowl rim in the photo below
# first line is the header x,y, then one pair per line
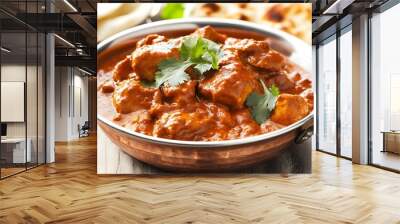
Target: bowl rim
x,y
294,41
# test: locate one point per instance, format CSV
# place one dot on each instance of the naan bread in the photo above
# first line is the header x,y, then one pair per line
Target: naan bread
x,y
294,18
116,17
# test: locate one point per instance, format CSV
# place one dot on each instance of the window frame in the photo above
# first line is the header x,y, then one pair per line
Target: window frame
x,y
334,37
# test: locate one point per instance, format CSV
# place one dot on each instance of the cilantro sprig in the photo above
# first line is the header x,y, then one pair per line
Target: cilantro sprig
x,y
261,106
201,53
172,11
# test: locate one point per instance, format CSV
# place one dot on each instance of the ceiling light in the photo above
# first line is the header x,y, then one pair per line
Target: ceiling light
x,y
337,7
79,51
5,50
64,40
84,71
70,5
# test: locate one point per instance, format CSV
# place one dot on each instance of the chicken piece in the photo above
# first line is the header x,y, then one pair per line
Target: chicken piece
x,y
245,125
122,69
203,121
145,59
130,96
183,94
210,33
258,53
230,85
220,113
305,83
183,125
294,76
301,81
281,81
247,45
308,95
229,56
158,109
150,39
289,109
271,61
108,86
140,121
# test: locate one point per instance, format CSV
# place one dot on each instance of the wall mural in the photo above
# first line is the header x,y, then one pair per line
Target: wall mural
x,y
204,88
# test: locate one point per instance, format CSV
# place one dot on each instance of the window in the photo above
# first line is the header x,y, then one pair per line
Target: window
x,y
327,96
22,75
346,92
385,88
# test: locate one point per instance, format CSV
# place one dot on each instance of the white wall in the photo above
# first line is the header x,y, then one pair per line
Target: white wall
x,y
61,103
80,102
71,94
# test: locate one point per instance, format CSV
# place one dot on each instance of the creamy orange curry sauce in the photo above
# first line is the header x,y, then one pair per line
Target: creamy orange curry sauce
x,y
209,104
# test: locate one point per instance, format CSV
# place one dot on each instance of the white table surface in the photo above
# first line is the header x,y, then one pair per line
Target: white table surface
x,y
13,140
19,152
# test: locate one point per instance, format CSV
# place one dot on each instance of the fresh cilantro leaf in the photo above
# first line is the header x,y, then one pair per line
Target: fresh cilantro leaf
x,y
200,50
274,90
201,53
211,58
173,72
172,11
261,106
189,44
212,46
202,68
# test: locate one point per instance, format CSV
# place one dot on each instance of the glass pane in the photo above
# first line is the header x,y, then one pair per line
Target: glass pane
x,y
41,98
13,86
327,96
32,87
314,73
31,98
385,83
346,94
23,82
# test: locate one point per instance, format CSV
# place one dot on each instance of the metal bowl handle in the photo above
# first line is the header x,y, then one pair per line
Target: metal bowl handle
x,y
307,130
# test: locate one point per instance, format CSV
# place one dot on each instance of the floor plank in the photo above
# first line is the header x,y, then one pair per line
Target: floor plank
x,y
70,191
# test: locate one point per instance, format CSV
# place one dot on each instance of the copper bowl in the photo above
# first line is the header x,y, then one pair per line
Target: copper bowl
x,y
217,156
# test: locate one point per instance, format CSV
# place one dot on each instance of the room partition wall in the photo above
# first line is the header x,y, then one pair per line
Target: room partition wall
x,y
22,77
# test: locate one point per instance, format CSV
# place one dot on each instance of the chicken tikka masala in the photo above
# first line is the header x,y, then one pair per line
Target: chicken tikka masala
x,y
205,86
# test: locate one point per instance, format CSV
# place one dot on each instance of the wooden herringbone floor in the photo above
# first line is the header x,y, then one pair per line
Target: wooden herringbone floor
x,y
69,191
